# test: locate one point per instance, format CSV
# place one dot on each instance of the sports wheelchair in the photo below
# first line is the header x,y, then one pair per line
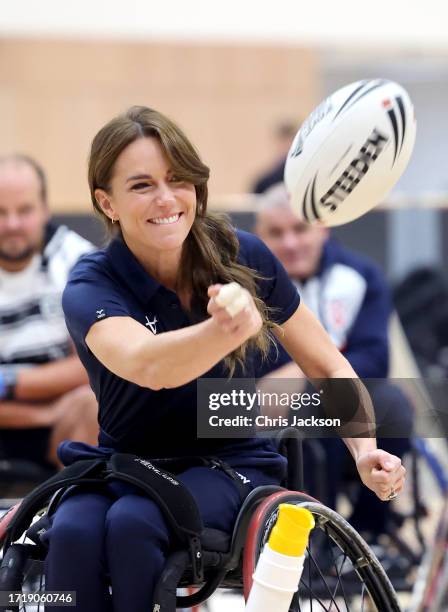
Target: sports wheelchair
x,y
340,573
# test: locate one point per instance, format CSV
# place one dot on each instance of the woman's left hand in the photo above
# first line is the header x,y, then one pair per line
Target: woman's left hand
x,y
381,472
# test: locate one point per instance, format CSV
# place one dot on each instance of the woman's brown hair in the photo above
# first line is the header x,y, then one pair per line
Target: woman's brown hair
x,y
210,251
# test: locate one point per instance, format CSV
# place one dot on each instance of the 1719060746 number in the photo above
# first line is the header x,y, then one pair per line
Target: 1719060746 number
x,y
47,598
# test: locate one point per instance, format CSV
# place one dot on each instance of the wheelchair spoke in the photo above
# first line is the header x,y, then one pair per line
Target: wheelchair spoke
x,y
339,571
330,583
33,582
362,597
339,580
319,571
314,597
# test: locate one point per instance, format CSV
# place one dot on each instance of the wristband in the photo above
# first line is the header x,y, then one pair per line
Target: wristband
x,y
3,388
8,381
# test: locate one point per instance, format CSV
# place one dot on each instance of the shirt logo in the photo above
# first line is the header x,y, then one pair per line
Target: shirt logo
x,y
151,324
100,314
243,478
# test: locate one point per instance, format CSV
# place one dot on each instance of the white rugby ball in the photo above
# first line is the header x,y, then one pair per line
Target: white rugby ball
x,y
350,152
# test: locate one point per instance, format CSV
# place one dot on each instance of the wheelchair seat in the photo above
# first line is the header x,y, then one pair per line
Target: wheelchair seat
x,y
222,542
288,443
213,539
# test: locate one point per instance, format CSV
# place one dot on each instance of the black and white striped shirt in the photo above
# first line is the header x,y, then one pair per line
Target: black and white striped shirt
x,y
32,325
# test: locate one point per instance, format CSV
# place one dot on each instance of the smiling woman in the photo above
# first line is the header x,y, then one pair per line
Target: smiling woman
x,y
145,319
146,177
155,211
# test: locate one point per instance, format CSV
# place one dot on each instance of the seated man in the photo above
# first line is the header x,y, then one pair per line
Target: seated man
x,y
349,295
44,392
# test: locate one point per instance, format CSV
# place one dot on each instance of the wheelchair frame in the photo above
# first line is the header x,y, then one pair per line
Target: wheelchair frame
x,y
232,566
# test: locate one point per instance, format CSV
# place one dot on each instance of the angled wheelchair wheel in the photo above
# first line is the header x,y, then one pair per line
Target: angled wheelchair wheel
x,y
22,573
430,592
341,573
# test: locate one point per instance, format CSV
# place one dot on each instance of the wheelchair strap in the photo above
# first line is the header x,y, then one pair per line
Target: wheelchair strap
x,y
243,485
85,471
172,497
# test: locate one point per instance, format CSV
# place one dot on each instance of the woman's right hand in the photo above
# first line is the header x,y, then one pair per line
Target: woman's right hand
x,y
243,325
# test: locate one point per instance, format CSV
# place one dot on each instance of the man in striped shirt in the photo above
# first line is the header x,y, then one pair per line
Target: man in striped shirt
x,y
44,392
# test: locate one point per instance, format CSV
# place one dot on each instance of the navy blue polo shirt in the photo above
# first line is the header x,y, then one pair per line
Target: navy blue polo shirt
x,y
111,282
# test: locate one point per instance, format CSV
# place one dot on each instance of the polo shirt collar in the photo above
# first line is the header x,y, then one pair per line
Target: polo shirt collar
x,y
130,271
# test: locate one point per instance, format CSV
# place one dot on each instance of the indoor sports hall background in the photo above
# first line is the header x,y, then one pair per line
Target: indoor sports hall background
x,y
230,73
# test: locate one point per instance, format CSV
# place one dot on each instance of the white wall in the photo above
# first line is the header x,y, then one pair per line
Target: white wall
x,y
416,23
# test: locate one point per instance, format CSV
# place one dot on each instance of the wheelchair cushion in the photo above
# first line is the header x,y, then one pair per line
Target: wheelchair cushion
x,y
172,497
214,540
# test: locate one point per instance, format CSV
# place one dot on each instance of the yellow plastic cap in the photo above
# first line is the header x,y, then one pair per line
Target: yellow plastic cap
x,y
291,532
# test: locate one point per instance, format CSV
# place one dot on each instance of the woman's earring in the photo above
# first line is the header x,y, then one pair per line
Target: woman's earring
x,y
113,220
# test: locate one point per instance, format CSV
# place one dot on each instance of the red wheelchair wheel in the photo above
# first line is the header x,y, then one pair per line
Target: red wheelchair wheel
x,y
6,519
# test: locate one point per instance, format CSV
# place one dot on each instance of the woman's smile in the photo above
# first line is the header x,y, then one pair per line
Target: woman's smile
x,y
166,220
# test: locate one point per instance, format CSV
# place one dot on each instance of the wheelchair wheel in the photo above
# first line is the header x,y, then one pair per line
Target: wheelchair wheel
x,y
341,573
22,573
430,592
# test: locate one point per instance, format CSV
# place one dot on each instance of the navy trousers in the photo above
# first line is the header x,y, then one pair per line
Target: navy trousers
x,y
119,537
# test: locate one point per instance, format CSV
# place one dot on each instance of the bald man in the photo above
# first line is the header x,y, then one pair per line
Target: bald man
x,y
344,289
44,392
